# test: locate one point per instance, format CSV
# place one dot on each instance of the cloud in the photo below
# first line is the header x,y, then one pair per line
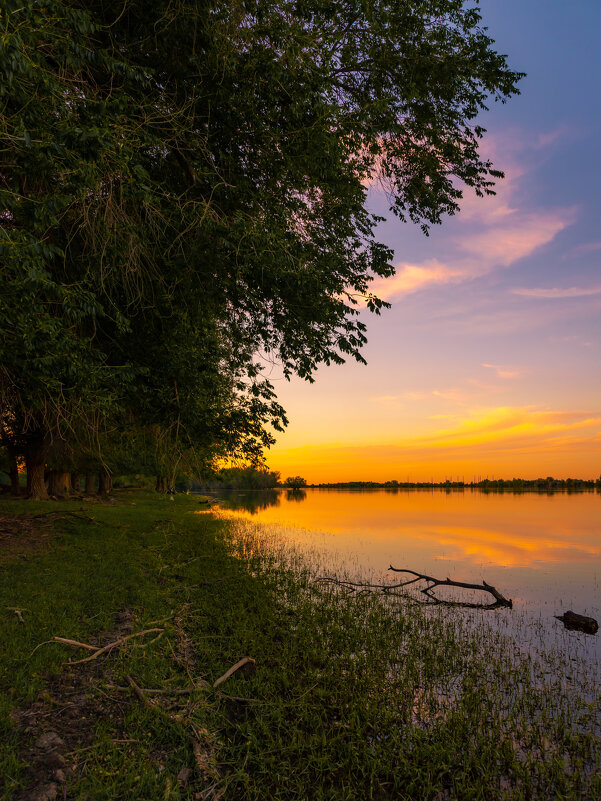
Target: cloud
x,y
501,371
558,292
490,232
412,277
503,245
508,423
550,137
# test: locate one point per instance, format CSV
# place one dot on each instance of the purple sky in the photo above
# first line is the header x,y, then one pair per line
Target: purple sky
x,y
488,362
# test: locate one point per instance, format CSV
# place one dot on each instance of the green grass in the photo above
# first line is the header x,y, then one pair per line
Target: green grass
x,y
352,698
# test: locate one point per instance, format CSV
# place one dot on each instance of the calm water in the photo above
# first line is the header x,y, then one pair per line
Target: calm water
x,y
542,551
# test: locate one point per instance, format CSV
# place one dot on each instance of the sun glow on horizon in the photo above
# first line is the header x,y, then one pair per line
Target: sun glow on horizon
x,y
495,442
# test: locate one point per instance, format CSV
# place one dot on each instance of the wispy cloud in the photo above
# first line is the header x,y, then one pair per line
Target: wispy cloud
x,y
502,371
586,247
518,237
558,292
518,424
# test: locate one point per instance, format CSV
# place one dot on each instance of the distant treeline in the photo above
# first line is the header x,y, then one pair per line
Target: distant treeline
x,y
515,484
250,478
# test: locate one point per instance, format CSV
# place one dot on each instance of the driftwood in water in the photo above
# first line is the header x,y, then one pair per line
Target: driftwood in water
x,y
431,584
575,622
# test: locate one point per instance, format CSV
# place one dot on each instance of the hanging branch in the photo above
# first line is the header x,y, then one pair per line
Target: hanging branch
x,y
431,584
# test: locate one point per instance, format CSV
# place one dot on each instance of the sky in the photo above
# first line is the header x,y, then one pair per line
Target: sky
x,y
487,364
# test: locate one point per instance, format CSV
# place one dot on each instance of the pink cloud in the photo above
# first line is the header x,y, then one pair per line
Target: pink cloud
x,y
412,277
586,247
501,246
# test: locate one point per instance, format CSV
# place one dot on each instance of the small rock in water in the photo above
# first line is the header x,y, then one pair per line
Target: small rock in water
x,y
575,622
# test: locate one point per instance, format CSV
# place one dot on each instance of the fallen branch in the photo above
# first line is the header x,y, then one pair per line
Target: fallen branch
x,y
75,643
139,692
154,639
500,600
431,584
247,660
98,651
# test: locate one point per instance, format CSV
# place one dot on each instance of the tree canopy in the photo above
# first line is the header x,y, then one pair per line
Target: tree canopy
x,y
182,194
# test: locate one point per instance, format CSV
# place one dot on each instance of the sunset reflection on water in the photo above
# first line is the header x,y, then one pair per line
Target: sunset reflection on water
x,y
545,549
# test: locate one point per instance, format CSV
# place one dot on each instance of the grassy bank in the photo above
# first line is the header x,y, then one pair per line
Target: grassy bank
x,y
350,698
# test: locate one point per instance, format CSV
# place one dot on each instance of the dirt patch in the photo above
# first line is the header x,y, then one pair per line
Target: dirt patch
x,y
21,535
59,727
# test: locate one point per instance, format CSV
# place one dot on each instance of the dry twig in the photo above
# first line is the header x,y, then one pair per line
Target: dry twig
x,y
112,645
75,643
247,660
96,650
18,612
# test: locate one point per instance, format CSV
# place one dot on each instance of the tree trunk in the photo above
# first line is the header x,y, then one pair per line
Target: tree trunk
x,y
35,454
14,476
61,483
105,483
75,483
160,485
50,481
90,483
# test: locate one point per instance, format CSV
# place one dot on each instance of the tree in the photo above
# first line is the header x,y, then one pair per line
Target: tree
x,y
183,191
295,482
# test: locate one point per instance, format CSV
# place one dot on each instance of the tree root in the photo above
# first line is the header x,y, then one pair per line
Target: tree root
x,y
431,584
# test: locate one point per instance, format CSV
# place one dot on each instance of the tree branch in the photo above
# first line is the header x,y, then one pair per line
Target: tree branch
x,y
431,584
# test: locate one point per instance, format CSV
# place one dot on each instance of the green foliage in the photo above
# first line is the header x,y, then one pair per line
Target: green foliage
x,y
182,195
249,477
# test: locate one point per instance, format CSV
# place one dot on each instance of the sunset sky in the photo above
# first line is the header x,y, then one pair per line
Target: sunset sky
x,y
488,362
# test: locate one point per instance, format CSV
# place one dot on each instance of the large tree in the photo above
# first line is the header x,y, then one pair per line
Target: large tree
x,y
183,188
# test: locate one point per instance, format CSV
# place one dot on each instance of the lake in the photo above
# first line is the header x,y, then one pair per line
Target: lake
x,y
541,550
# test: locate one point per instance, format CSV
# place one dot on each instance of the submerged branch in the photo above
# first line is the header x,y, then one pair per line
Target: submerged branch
x,y
428,590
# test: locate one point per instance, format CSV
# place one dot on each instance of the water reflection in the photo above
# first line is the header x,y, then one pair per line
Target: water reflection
x,y
539,548
296,495
251,501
